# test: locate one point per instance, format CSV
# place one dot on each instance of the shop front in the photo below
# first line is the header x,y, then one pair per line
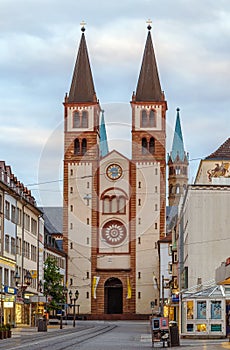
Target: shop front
x,y
203,312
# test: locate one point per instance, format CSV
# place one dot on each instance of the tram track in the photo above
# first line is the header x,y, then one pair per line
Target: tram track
x,y
56,340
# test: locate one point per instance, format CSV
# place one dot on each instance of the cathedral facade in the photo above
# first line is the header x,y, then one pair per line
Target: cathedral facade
x,y
114,207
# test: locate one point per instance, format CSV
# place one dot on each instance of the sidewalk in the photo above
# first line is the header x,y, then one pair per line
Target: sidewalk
x,y
21,331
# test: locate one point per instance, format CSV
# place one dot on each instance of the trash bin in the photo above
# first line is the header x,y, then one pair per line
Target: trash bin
x,y
42,325
174,334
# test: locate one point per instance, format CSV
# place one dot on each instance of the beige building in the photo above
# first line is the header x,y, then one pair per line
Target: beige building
x,y
22,234
204,220
114,207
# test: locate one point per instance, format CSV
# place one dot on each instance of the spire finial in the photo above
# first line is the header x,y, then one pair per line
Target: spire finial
x,y
83,26
178,109
149,22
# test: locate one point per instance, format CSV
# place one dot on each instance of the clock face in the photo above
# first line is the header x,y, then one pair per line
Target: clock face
x,y
114,171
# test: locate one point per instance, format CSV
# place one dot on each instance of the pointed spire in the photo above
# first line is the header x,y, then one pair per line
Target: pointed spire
x,y
148,86
82,86
178,143
104,149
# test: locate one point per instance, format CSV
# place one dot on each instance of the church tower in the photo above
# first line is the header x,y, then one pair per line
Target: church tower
x,y
149,168
81,161
114,207
177,166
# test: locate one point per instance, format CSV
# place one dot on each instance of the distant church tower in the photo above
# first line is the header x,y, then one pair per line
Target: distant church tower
x,y
114,207
177,166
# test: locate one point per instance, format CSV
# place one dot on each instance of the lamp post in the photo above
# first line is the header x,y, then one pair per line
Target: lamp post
x,y
73,300
23,286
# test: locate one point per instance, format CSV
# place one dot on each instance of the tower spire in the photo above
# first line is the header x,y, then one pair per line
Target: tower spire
x,y
148,86
178,166
82,86
178,143
104,149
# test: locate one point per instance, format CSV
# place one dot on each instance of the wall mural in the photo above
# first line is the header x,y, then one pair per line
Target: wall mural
x,y
220,170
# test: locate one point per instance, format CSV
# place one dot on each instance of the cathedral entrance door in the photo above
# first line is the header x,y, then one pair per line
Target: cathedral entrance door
x,y
113,296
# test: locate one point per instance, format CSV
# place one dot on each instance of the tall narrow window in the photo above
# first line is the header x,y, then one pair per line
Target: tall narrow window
x,y
76,146
144,145
76,120
121,205
114,205
106,205
144,119
152,145
84,146
152,118
85,119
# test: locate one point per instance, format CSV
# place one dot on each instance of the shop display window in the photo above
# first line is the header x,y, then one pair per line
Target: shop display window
x,y
201,309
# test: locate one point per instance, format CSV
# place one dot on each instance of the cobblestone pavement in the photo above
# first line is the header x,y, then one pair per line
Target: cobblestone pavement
x,y
143,340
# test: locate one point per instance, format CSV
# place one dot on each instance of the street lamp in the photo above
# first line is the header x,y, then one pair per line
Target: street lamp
x,y
24,284
73,300
27,281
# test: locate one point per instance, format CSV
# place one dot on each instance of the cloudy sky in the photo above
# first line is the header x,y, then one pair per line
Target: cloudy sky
x,y
38,45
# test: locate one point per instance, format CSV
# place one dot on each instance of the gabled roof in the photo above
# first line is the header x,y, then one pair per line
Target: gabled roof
x,y
171,217
53,219
148,86
223,152
82,87
178,143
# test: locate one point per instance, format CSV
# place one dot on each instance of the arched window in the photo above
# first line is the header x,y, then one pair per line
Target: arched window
x,y
170,189
152,118
84,146
76,120
152,145
144,119
76,146
85,119
144,145
177,170
177,189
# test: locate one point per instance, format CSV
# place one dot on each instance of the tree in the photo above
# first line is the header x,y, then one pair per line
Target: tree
x,y
53,286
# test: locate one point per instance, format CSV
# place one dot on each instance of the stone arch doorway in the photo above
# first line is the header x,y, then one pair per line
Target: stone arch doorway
x,y
113,291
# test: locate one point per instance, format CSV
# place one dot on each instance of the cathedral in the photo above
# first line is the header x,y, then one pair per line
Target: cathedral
x,y
114,207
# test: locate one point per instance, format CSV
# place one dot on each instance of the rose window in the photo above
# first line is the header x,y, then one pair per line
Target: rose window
x,y
114,232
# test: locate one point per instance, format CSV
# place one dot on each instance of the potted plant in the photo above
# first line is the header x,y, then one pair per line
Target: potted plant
x,y
1,332
8,330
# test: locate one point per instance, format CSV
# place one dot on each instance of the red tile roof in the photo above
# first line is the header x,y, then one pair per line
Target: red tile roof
x,y
223,152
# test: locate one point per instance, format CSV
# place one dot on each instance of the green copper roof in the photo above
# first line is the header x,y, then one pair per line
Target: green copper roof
x,y
178,144
104,149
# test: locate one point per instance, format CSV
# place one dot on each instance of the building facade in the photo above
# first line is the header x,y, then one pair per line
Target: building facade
x,y
114,207
204,220
22,232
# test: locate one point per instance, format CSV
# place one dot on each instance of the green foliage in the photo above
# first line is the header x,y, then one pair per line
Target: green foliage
x,y
8,326
53,286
